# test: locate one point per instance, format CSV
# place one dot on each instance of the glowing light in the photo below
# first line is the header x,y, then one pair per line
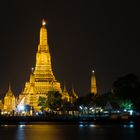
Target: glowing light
x,y
128,126
5,125
124,110
81,125
21,108
118,111
43,22
92,125
32,69
131,112
80,107
93,71
21,126
86,108
131,126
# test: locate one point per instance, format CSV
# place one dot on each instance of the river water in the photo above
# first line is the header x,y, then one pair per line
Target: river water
x,y
62,131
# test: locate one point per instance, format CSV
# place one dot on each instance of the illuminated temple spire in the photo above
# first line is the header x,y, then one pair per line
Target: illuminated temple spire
x,y
64,88
65,95
93,83
9,92
74,93
42,79
9,100
43,73
43,69
43,36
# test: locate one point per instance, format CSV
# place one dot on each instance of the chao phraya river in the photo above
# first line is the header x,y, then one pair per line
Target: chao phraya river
x,y
71,131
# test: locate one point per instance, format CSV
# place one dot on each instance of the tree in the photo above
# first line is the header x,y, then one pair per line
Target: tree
x,y
87,100
54,100
42,103
126,104
128,88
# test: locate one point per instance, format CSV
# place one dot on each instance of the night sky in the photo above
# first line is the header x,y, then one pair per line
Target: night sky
x,y
83,35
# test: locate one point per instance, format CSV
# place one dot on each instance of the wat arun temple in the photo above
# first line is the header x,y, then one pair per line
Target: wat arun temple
x,y
42,78
41,81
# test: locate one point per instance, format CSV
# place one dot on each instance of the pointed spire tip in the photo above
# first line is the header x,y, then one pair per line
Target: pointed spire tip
x,y
93,71
9,86
43,22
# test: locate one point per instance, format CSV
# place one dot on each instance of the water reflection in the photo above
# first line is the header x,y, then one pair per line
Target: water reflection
x,y
38,132
62,131
20,132
128,125
85,124
92,125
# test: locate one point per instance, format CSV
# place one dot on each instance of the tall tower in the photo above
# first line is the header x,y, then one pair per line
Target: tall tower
x,y
42,78
43,74
93,83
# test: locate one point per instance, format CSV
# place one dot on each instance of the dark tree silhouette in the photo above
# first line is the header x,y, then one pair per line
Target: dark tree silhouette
x,y
128,88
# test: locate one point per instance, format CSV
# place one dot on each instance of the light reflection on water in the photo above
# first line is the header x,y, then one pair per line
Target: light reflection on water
x,y
20,132
128,126
55,131
83,124
37,132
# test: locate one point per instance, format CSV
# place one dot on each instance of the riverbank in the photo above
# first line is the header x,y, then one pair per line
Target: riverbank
x,y
9,120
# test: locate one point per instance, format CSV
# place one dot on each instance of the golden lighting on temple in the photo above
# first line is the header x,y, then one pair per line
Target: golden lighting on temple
x,y
42,79
9,101
93,83
43,22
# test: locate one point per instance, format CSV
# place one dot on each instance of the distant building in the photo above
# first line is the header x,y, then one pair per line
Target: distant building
x,y
1,105
73,95
93,83
65,94
9,101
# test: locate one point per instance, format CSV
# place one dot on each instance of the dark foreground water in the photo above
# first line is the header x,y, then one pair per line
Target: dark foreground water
x,y
61,131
